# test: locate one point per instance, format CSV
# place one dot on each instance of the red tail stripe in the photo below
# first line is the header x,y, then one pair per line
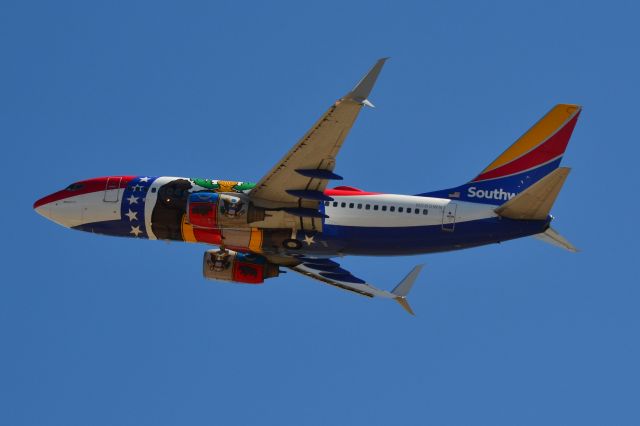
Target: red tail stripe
x,y
552,148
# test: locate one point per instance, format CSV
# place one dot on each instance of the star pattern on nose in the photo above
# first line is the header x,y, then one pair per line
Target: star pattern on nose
x,y
132,209
309,239
132,215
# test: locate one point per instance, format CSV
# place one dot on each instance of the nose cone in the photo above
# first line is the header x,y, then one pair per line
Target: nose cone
x,y
59,208
42,207
85,201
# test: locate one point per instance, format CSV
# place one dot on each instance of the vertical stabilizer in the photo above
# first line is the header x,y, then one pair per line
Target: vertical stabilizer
x,y
533,156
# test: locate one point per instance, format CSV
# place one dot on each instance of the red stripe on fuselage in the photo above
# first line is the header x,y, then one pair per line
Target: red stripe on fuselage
x,y
347,191
88,186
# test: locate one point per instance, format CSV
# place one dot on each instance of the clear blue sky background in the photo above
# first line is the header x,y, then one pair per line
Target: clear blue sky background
x,y
107,331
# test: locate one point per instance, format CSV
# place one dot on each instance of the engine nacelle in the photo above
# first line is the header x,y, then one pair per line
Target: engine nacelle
x,y
228,265
213,210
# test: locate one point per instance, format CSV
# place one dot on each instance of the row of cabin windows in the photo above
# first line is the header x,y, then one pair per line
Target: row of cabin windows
x,y
376,207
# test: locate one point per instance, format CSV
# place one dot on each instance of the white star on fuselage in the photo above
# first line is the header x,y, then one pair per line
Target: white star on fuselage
x,y
144,179
137,188
132,199
135,230
309,239
132,215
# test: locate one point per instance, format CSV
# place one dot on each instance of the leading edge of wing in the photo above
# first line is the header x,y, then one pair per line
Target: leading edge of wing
x,y
330,272
306,168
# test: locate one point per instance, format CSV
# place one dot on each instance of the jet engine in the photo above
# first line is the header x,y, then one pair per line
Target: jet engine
x,y
228,265
213,210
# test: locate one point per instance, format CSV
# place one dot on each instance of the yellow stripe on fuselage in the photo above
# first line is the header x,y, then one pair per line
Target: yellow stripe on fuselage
x,y
540,132
187,231
255,242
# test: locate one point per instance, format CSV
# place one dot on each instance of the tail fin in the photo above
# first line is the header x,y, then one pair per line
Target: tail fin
x,y
532,157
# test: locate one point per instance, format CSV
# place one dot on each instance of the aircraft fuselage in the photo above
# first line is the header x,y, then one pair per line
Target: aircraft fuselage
x,y
357,222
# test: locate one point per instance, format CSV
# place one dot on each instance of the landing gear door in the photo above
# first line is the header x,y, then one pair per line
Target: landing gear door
x,y
112,190
449,217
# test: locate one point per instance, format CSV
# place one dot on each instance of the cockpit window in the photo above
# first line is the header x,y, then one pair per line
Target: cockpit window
x,y
75,187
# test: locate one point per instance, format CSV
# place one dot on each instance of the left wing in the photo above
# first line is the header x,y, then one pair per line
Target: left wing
x,y
296,183
330,272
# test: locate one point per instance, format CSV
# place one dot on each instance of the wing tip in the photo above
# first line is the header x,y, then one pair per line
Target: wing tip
x,y
361,91
404,287
402,301
401,291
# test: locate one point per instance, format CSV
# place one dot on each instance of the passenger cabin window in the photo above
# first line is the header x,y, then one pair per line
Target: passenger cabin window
x,y
375,207
425,211
400,209
408,209
417,211
392,208
326,203
367,207
384,208
335,204
359,206
350,205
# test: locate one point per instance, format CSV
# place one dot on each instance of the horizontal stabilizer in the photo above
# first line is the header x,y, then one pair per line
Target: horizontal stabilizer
x,y
535,202
551,236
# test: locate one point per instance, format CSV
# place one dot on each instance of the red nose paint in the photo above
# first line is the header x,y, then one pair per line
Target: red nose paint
x,y
84,187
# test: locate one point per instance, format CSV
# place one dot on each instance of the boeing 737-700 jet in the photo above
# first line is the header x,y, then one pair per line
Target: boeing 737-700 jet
x,y
289,219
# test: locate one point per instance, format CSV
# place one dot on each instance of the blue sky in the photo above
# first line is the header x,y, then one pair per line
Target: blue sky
x,y
108,331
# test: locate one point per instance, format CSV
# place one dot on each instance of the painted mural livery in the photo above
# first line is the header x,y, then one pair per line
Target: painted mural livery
x,y
170,215
292,219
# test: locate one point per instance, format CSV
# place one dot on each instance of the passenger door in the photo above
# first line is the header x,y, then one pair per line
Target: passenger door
x,y
449,217
112,189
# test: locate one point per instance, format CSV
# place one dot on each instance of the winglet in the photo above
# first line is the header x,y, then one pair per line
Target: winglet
x,y
361,92
404,287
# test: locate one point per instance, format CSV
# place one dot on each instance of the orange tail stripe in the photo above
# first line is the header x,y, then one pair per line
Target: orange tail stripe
x,y
537,135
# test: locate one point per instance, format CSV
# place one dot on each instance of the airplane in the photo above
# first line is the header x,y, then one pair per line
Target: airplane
x,y
290,219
